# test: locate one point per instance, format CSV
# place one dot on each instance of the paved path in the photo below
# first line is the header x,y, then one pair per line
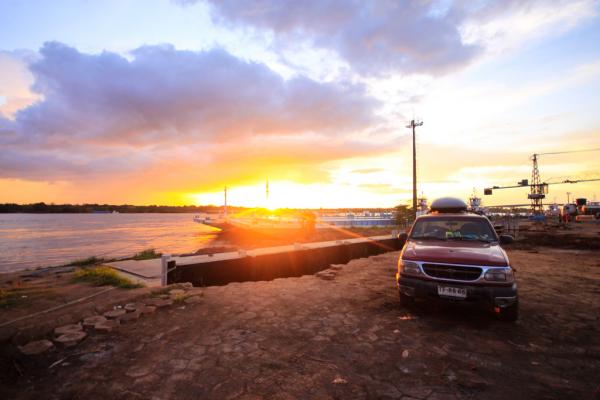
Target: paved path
x,y
341,334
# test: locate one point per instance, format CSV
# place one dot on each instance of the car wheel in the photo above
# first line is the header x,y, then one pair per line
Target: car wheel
x,y
510,313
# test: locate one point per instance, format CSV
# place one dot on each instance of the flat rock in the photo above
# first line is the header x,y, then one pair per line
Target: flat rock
x,y
164,303
136,372
131,307
328,276
148,310
195,291
36,347
152,301
61,330
89,322
176,292
107,326
113,314
130,317
192,299
71,338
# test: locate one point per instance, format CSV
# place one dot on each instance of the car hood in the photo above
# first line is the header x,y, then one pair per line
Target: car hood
x,y
455,252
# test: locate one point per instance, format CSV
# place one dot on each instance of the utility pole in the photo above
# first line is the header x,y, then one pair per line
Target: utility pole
x,y
413,124
568,197
225,204
267,190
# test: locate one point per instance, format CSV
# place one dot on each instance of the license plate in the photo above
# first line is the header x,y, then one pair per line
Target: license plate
x,y
454,292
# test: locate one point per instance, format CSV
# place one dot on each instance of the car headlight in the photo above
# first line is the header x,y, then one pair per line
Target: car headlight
x,y
500,275
410,267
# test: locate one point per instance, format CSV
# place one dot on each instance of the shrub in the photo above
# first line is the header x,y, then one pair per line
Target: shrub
x,y
86,261
147,254
101,276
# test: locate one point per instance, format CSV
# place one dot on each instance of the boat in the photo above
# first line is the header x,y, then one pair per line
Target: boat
x,y
475,204
296,221
347,220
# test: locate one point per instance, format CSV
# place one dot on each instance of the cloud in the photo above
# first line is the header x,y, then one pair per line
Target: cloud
x,y
15,80
374,37
503,25
367,170
384,37
97,111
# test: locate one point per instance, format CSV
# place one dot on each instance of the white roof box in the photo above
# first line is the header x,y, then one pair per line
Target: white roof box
x,y
448,205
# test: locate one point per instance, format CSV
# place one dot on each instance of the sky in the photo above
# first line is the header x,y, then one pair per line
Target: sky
x,y
168,101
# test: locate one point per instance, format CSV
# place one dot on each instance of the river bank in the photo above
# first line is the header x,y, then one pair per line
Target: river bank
x,y
30,241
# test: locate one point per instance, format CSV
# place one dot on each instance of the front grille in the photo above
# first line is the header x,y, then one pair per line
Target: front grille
x,y
455,272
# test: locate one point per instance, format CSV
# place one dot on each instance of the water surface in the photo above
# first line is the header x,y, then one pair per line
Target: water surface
x,y
34,240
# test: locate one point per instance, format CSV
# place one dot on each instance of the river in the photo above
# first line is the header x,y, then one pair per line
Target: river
x,y
40,240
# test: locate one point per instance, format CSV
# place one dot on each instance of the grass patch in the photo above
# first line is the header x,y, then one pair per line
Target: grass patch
x,y
102,276
7,298
86,261
23,296
147,254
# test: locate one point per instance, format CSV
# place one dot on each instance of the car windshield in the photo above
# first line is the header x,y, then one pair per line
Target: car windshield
x,y
453,228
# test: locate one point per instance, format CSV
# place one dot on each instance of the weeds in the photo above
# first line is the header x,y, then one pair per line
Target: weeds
x,y
7,298
101,276
86,261
147,254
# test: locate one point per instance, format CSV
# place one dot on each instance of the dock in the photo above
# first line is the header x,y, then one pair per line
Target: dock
x,y
258,264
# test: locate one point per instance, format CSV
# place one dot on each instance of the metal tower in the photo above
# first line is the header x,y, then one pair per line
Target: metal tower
x,y
537,189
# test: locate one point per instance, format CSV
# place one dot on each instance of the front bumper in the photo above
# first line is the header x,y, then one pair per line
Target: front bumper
x,y
492,295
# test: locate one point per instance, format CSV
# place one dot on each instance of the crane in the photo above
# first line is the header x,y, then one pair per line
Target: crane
x,y
538,189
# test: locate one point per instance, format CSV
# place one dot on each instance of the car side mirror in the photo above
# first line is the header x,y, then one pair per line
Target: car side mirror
x,y
402,237
506,239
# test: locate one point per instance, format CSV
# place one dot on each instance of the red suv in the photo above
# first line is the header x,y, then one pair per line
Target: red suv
x,y
455,255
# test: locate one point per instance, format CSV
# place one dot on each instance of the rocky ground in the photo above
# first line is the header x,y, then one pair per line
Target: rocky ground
x,y
339,334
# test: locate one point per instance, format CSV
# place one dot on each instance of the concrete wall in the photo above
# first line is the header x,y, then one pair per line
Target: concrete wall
x,y
280,265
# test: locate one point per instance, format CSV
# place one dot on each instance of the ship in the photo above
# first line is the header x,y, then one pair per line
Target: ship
x,y
297,221
475,204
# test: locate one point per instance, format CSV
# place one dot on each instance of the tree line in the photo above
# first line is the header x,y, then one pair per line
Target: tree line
x,y
52,208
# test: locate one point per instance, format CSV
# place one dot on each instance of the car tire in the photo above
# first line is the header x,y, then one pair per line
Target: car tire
x,y
510,313
405,300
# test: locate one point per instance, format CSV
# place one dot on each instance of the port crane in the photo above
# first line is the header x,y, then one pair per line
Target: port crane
x,y
538,189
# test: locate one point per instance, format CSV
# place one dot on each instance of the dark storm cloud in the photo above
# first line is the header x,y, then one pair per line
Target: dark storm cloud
x,y
95,105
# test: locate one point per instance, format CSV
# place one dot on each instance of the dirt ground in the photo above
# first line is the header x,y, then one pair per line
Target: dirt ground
x,y
29,292
340,334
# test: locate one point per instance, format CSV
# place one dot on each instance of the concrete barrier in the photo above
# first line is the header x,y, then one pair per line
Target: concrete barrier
x,y
296,260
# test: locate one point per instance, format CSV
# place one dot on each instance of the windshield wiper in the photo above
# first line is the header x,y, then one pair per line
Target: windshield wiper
x,y
425,238
469,239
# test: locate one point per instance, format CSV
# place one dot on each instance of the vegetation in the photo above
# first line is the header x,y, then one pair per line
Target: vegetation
x,y
22,295
404,215
102,276
105,208
147,254
6,299
86,261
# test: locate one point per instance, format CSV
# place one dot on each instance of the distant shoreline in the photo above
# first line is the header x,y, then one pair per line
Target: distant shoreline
x,y
43,208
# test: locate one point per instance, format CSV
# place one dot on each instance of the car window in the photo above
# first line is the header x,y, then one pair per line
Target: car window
x,y
452,229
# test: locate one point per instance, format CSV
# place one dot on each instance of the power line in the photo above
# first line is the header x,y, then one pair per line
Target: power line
x,y
566,152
